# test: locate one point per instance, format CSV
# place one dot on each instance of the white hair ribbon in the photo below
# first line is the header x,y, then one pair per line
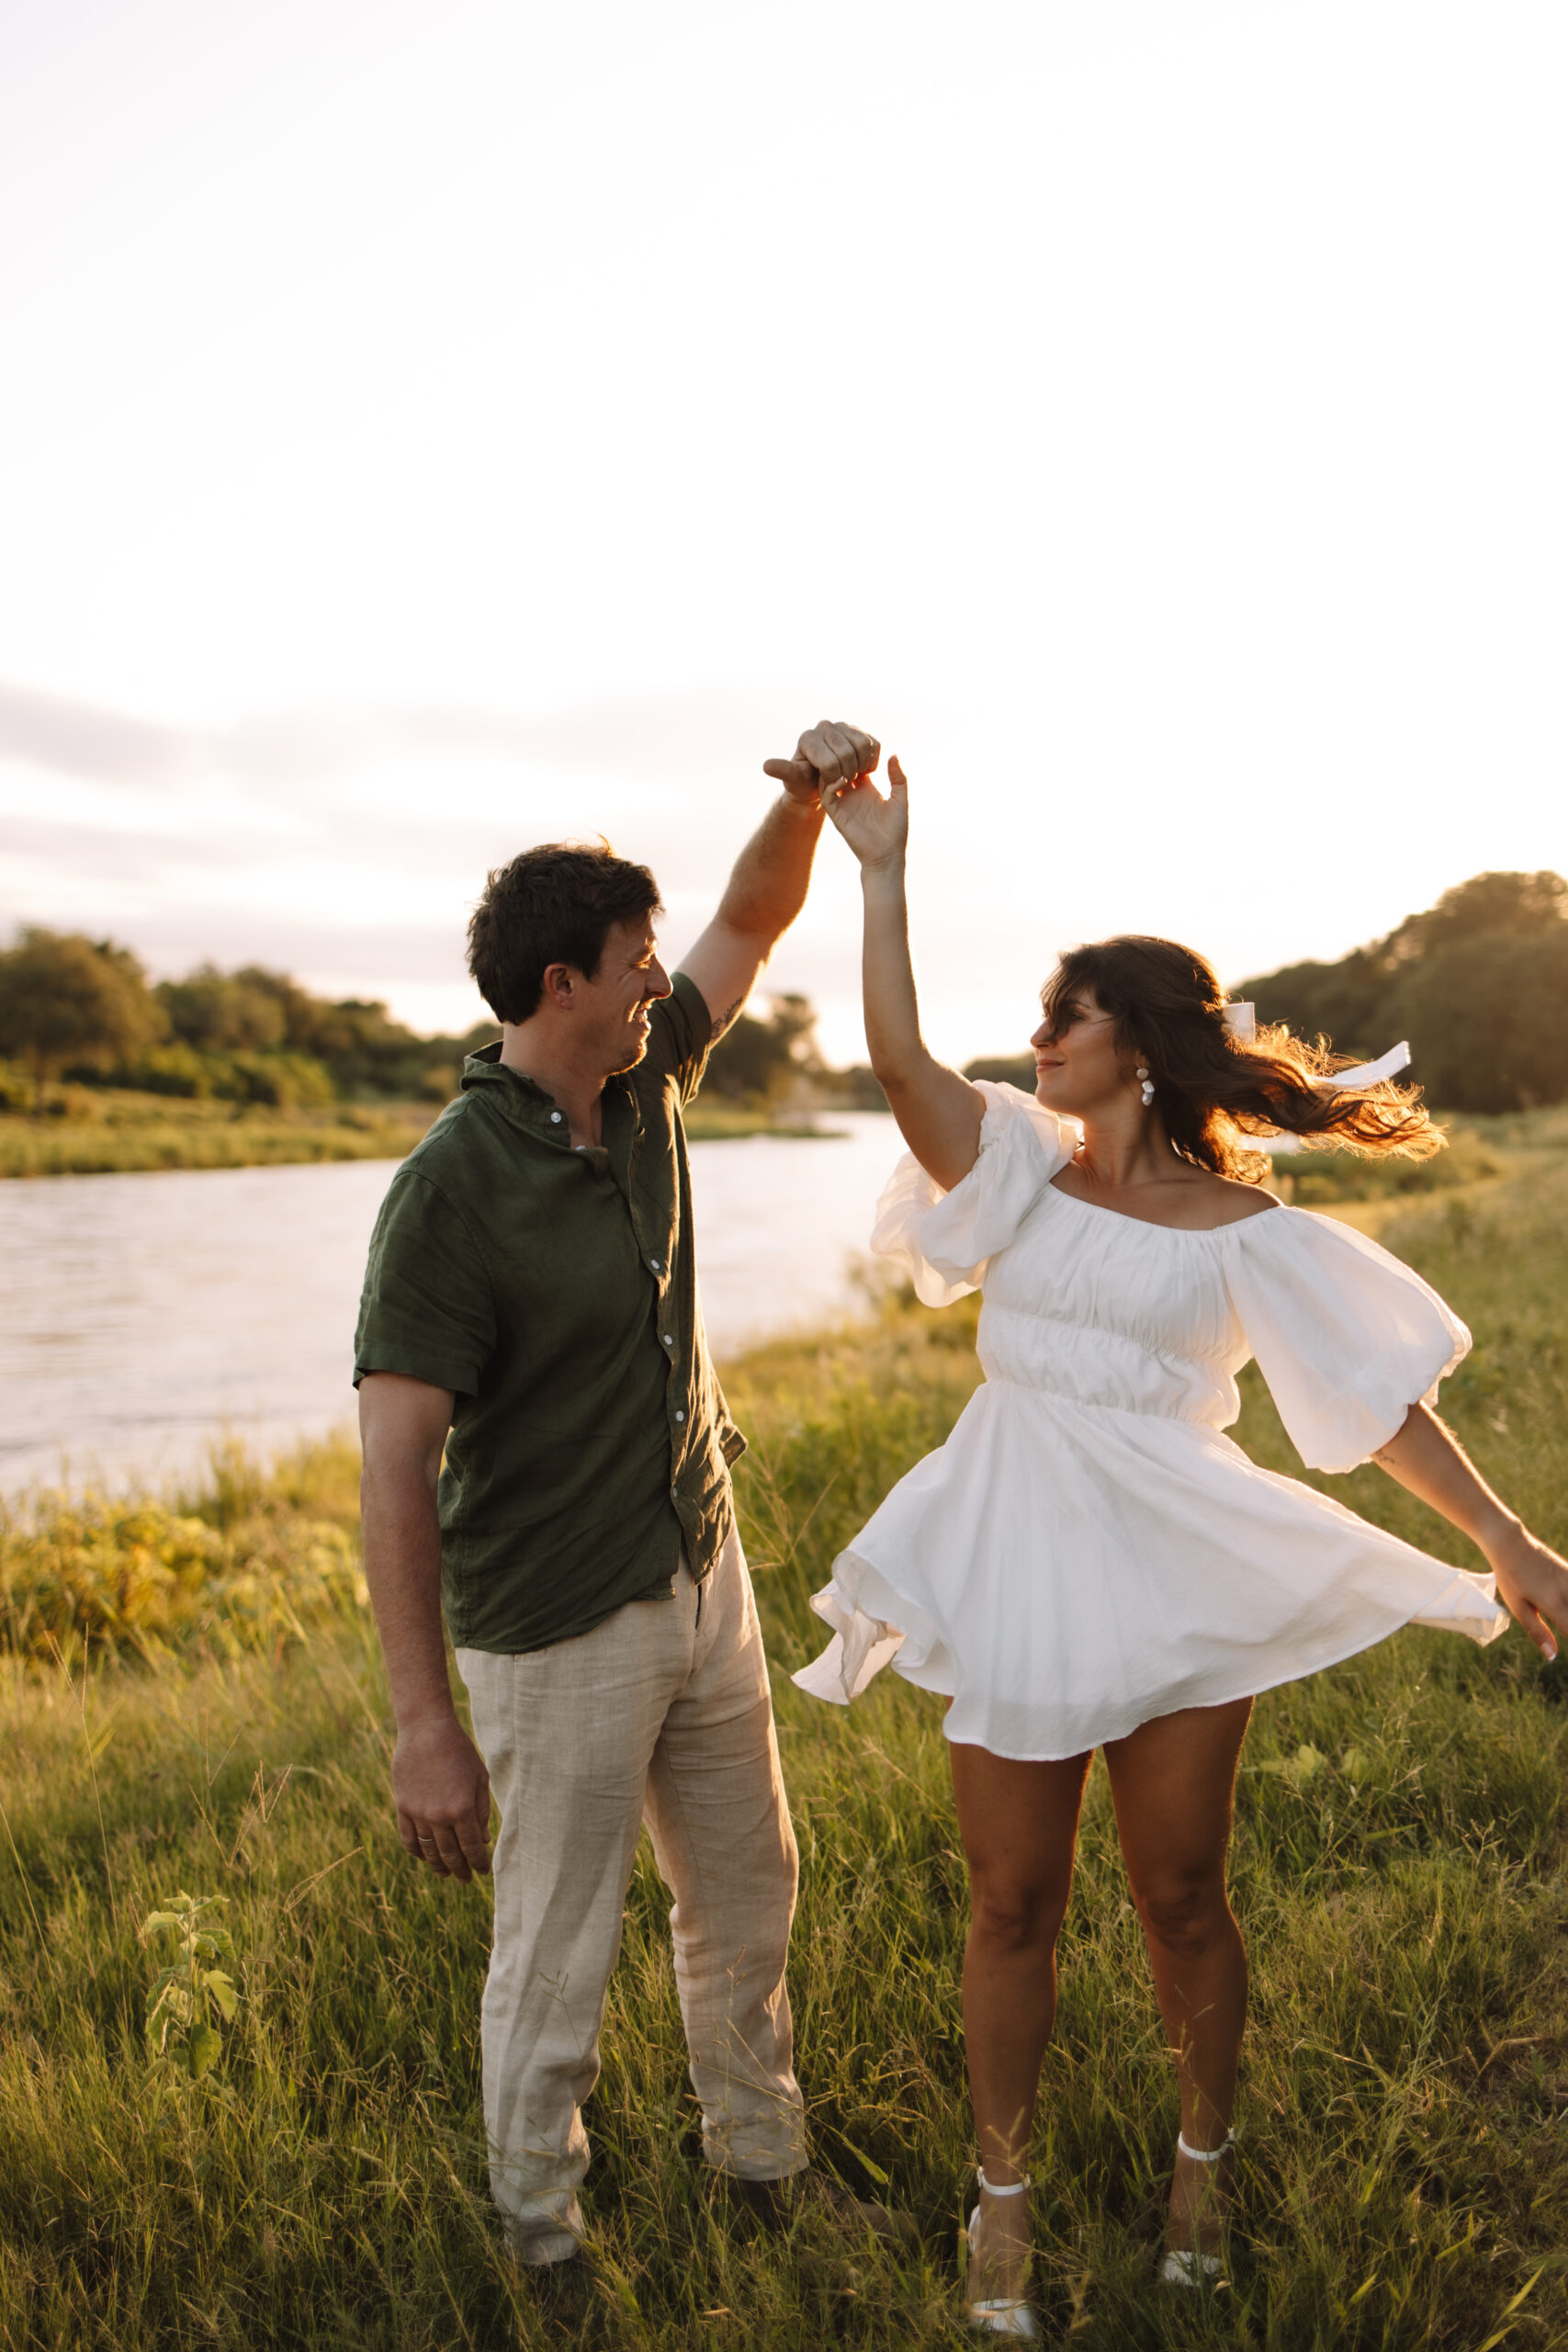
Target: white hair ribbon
x,y
1367,1074
1241,1020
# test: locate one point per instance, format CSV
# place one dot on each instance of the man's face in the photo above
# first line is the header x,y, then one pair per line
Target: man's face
x,y
613,1003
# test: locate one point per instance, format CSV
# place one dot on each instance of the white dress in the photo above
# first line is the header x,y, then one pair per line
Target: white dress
x,y
1088,1550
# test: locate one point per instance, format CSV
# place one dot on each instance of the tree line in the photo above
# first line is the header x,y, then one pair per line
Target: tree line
x,y
1478,983
83,1010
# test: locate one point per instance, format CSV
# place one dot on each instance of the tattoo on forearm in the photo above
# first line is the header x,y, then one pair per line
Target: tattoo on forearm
x,y
722,1023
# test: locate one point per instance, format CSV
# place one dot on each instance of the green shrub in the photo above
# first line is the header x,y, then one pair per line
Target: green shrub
x,y
83,1574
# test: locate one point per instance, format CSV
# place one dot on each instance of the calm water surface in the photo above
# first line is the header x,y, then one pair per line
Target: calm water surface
x,y
142,1317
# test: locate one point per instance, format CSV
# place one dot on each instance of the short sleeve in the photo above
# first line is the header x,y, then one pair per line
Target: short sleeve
x,y
680,1037
944,1240
1347,1336
427,1309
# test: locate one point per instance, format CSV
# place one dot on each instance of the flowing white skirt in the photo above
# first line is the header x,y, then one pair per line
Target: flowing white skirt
x,y
1065,1572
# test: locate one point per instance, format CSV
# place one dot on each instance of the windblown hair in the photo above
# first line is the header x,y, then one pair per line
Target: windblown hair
x,y
555,904
1212,1089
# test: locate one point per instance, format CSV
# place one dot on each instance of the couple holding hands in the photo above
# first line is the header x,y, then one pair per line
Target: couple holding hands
x,y
1089,1561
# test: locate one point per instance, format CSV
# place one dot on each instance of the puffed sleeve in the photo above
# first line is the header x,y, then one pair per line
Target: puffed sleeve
x,y
1347,1336
942,1239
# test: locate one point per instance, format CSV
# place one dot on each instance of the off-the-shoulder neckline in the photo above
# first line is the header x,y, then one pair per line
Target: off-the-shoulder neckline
x,y
1152,1224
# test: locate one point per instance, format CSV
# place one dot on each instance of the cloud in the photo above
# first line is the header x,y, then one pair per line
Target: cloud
x,y
675,739
84,739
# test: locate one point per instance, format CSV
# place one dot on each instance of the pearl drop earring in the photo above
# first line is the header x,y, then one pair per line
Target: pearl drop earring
x,y
1147,1085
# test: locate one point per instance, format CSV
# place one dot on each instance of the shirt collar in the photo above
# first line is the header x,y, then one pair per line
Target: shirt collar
x,y
519,1098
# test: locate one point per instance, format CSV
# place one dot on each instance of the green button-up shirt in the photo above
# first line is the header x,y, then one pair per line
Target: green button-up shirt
x,y
554,1291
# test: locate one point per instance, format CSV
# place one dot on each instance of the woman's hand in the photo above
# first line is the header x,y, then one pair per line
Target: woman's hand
x,y
1429,1462
1533,1583
876,828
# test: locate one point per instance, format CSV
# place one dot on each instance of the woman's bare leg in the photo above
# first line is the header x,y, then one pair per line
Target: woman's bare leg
x,y
1019,1824
1174,1784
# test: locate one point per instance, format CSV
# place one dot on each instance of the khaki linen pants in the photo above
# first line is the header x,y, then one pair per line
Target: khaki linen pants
x,y
660,1714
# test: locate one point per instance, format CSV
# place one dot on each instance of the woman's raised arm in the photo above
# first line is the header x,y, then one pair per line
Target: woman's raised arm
x,y
938,1112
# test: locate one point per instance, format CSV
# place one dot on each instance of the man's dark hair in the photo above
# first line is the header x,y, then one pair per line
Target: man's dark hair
x,y
555,904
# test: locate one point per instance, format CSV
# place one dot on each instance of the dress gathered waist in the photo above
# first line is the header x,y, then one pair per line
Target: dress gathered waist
x,y
1166,1411
1113,1369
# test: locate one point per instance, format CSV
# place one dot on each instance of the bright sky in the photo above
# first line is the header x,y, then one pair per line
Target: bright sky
x,y
424,430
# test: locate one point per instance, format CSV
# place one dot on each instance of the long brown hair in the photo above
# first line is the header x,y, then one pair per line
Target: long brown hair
x,y
1213,1089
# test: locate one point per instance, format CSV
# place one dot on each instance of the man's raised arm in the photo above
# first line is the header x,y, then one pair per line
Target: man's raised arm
x,y
767,888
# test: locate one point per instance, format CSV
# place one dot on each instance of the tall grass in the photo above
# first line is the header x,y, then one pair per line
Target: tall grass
x,y
111,1132
1398,1869
99,1131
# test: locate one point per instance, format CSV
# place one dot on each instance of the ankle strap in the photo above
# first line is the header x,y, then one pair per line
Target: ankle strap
x,y
1009,2189
1206,2156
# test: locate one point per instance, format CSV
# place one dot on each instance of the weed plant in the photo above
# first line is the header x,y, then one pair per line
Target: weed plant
x,y
1398,1869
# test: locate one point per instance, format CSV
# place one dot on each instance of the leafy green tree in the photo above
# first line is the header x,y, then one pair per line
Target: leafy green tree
x,y
1478,983
1487,1019
224,1012
1526,905
756,1060
68,999
1336,1000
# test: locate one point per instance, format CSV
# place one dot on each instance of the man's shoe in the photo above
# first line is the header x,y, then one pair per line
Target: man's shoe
x,y
561,2290
779,2204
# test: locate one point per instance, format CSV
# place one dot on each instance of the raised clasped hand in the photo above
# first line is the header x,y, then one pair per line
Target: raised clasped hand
x,y
874,824
829,754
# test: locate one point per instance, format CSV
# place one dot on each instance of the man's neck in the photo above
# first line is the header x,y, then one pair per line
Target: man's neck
x,y
528,1047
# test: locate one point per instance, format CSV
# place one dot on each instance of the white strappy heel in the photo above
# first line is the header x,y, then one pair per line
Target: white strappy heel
x,y
1185,2266
999,2316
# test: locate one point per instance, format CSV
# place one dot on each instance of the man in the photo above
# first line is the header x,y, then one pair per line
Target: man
x,y
530,1310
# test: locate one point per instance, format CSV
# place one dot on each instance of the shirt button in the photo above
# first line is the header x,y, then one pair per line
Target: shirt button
x,y
654,1264
680,1417
667,1340
555,1118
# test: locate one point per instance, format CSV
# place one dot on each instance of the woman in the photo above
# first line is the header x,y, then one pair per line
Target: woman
x,y
1089,1561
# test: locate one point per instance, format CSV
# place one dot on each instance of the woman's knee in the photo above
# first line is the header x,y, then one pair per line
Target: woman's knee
x,y
1015,1916
1185,1916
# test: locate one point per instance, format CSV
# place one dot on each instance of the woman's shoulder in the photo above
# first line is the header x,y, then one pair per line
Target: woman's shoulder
x,y
1234,1203
1011,1114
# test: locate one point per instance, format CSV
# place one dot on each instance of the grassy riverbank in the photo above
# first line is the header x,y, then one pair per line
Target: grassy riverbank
x,y
92,1131
1399,1868
95,1131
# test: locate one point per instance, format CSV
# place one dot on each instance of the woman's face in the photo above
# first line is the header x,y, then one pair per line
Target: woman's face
x,y
1077,1069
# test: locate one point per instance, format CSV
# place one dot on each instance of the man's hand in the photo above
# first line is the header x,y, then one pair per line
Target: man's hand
x,y
827,753
767,889
442,1792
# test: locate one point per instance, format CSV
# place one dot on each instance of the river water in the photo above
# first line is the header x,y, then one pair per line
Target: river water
x,y
142,1318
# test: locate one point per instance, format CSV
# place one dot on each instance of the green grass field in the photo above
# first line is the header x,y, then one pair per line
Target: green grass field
x,y
191,1699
